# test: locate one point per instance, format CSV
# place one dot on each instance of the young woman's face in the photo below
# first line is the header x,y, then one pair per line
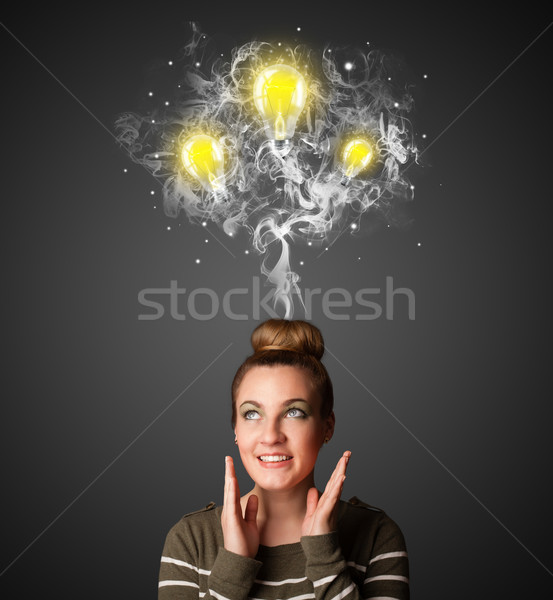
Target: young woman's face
x,y
279,428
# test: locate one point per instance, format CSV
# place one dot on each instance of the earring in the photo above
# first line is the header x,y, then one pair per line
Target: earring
x,y
236,440
326,440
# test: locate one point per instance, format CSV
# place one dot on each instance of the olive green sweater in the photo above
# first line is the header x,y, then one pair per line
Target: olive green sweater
x,y
365,558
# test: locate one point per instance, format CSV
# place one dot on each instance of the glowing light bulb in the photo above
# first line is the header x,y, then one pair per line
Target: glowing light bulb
x,y
203,158
356,156
279,94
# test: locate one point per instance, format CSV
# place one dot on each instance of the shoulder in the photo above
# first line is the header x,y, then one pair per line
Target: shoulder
x,y
358,519
358,512
355,502
195,538
203,524
208,508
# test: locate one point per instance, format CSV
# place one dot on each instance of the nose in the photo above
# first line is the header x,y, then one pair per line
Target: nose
x,y
272,433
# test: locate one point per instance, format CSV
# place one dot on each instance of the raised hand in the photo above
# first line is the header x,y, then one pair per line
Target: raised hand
x,y
320,516
239,532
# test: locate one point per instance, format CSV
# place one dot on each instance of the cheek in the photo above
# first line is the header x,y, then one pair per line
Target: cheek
x,y
311,441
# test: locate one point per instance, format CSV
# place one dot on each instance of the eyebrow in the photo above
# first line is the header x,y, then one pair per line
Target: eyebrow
x,y
286,403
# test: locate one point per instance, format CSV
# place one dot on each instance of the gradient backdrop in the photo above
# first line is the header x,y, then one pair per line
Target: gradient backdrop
x,y
112,428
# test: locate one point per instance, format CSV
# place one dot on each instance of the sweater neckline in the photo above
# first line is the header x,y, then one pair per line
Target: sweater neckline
x,y
292,548
281,549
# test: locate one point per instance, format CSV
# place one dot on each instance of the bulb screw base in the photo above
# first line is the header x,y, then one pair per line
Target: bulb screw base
x,y
281,146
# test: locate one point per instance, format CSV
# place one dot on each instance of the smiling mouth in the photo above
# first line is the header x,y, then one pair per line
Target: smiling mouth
x,y
274,458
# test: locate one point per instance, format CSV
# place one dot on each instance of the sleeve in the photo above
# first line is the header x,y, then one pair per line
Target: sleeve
x,y
386,576
182,578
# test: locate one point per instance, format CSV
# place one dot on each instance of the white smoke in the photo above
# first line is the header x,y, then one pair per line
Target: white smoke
x,y
279,198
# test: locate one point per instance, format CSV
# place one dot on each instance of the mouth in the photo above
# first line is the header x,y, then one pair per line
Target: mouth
x,y
274,458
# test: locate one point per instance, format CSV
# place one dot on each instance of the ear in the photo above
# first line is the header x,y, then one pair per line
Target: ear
x,y
329,425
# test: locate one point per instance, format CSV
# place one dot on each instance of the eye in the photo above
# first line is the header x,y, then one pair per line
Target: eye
x,y
251,415
296,412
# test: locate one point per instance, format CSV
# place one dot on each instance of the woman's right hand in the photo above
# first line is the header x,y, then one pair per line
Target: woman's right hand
x,y
239,532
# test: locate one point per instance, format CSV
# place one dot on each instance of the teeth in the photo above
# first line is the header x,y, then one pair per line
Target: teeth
x,y
274,458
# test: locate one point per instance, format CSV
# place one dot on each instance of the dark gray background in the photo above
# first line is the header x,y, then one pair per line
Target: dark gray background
x,y
447,416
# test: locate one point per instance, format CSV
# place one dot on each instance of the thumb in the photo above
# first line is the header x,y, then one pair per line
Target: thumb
x,y
250,514
312,501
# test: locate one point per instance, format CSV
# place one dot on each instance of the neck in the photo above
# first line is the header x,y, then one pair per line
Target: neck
x,y
283,505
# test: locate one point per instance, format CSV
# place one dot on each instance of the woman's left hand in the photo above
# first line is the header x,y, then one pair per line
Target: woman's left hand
x,y
320,516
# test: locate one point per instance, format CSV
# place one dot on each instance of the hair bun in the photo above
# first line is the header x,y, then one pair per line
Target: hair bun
x,y
282,334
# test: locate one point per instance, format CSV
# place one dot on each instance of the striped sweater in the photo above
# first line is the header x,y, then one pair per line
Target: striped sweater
x,y
365,558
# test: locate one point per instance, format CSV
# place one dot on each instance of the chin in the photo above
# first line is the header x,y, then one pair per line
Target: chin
x,y
277,481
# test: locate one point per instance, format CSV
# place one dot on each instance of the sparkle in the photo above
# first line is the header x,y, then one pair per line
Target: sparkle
x,y
170,63
198,64
166,102
348,66
326,248
301,263
279,44
156,155
152,192
299,28
424,135
418,244
353,225
150,93
309,243
206,241
246,251
168,227
197,261
425,76
389,79
155,206
396,104
204,224
358,258
412,187
153,120
125,171
230,233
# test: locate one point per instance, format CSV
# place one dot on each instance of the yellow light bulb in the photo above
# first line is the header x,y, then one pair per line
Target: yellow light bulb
x,y
279,94
204,159
356,156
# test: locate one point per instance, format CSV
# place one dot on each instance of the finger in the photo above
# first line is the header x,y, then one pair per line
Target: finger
x,y
341,467
234,490
312,501
333,490
225,492
252,505
347,455
339,470
343,462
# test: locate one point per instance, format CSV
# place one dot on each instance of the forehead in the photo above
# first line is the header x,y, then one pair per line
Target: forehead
x,y
276,383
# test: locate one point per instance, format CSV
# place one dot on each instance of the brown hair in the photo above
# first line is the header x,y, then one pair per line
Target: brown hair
x,y
290,343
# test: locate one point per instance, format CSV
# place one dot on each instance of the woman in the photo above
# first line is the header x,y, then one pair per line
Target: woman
x,y
284,539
